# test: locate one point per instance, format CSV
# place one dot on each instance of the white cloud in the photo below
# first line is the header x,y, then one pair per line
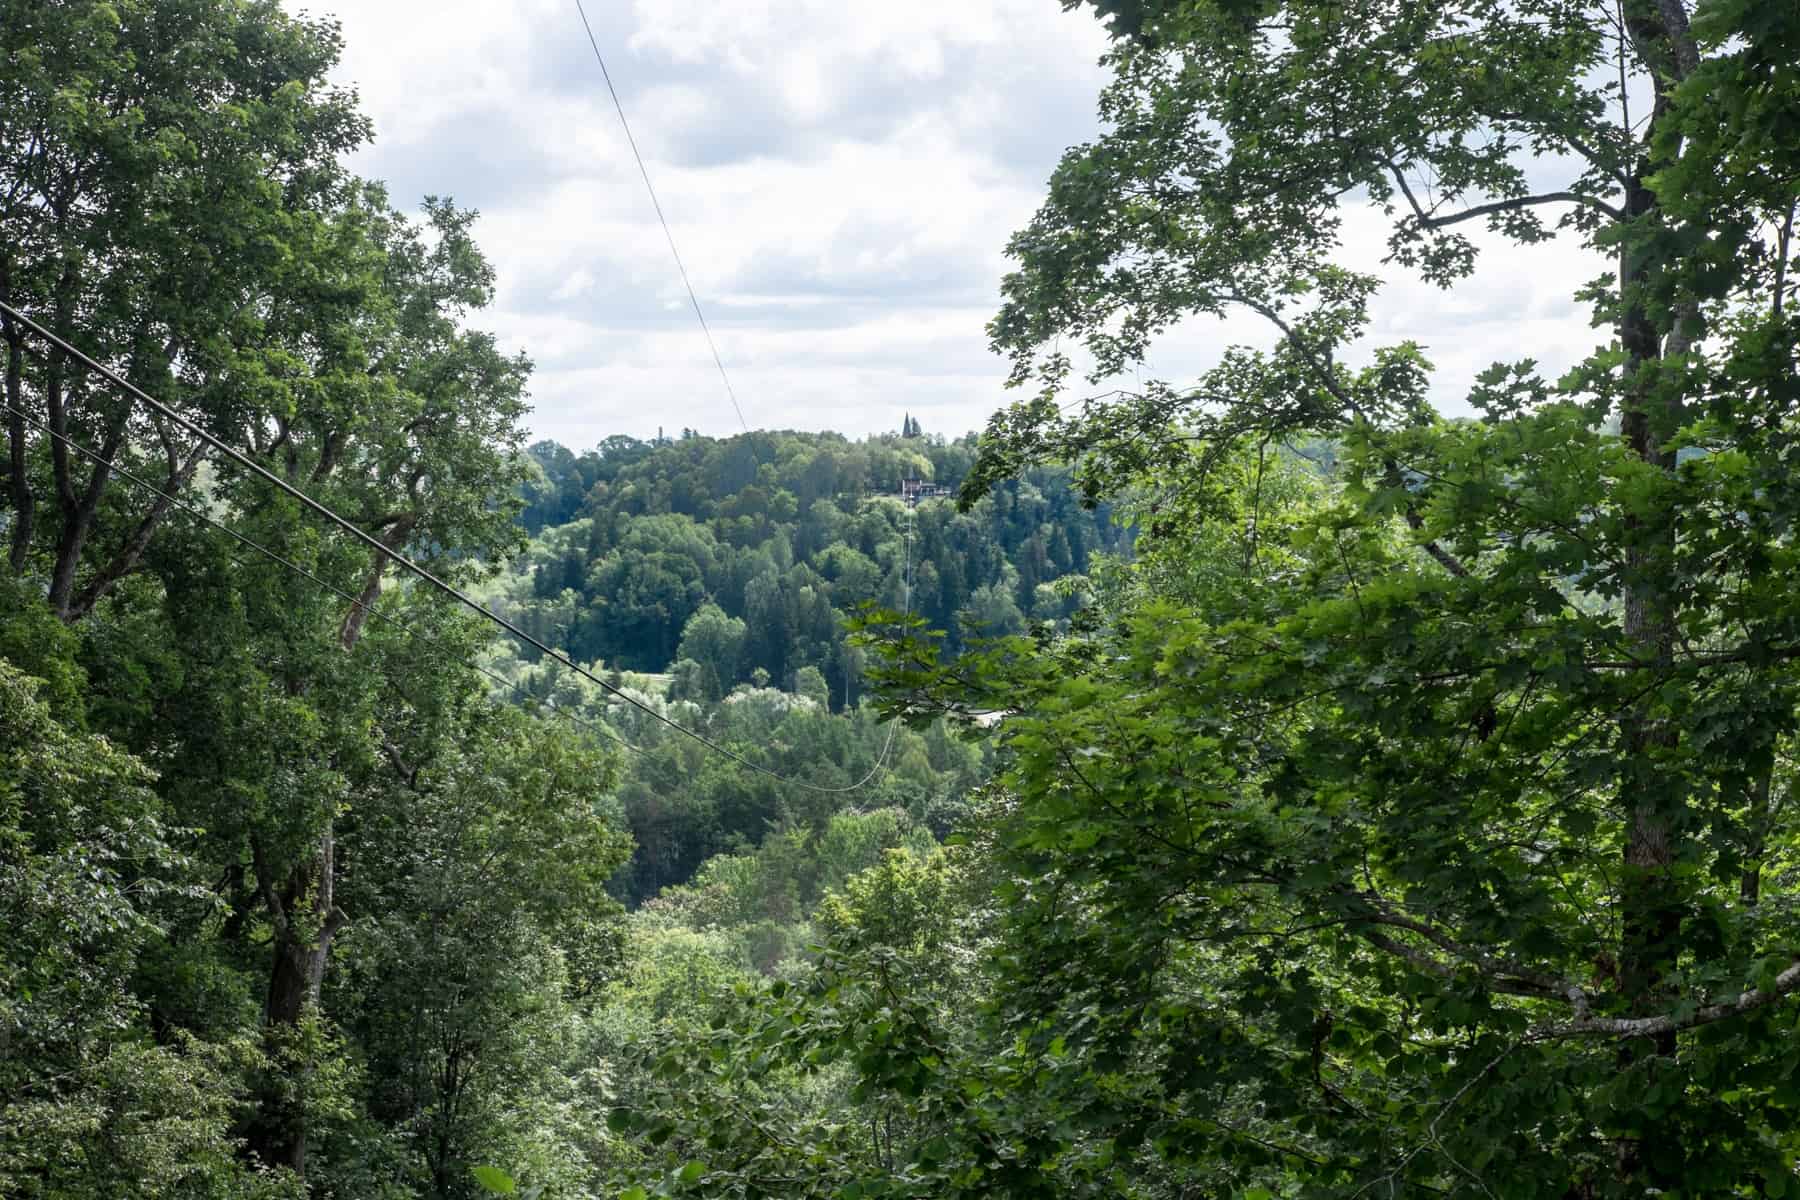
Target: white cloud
x,y
841,180
840,183
579,283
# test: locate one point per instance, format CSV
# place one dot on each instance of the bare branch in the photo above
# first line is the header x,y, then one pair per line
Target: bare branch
x,y
1416,523
1328,379
1785,985
1429,220
1322,363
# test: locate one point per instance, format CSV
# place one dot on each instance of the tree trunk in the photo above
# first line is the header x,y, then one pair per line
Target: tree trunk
x,y
24,503
62,579
80,502
127,558
73,534
302,946
1653,803
79,513
301,952
1756,843
354,620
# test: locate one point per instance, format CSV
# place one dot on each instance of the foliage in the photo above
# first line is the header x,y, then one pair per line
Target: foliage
x,y
685,806
88,874
231,799
782,531
294,902
1433,836
1406,808
1413,816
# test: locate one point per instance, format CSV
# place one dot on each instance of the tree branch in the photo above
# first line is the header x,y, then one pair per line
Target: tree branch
x,y
1416,523
1500,974
1785,985
126,560
1444,558
1321,363
398,762
1328,379
1428,220
1675,21
1783,242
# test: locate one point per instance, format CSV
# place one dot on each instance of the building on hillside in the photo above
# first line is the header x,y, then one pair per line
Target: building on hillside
x,y
914,490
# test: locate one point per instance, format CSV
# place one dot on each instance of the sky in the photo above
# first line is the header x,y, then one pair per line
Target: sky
x,y
841,179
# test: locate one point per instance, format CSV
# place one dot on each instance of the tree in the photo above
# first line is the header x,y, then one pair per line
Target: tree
x,y
411,430
174,202
991,612
1441,857
161,171
484,917
419,429
810,682
715,642
90,876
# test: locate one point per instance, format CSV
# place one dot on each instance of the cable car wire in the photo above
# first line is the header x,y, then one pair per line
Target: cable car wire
x,y
668,234
694,300
200,514
406,563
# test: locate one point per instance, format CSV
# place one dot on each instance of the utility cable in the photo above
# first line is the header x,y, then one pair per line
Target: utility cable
x,y
200,514
257,469
669,235
700,316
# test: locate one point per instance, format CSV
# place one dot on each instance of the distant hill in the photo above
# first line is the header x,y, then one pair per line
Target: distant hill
x,y
727,561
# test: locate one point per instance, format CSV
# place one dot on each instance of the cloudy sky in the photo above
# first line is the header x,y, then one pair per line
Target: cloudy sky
x,y
841,179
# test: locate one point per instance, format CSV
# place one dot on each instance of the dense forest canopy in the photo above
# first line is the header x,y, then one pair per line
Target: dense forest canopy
x,y
1256,786
1414,817
723,580
785,532
308,885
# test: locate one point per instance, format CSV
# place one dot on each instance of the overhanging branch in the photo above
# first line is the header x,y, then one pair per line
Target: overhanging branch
x,y
1430,220
1784,985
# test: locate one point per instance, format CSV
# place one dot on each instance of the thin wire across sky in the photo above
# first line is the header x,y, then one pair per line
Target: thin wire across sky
x,y
414,568
404,562
668,234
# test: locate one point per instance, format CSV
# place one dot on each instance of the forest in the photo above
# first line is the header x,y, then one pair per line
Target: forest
x,y
782,531
1322,777
727,577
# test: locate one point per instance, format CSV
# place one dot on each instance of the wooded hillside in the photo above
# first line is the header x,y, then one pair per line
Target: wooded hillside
x,y
1316,777
785,532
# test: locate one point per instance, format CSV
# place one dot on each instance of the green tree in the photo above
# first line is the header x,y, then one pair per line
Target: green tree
x,y
715,642
483,915
991,612
810,682
90,875
783,532
162,172
1436,853
174,203
850,1076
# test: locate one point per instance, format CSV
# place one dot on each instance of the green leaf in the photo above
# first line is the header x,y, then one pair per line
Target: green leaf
x,y
494,1180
